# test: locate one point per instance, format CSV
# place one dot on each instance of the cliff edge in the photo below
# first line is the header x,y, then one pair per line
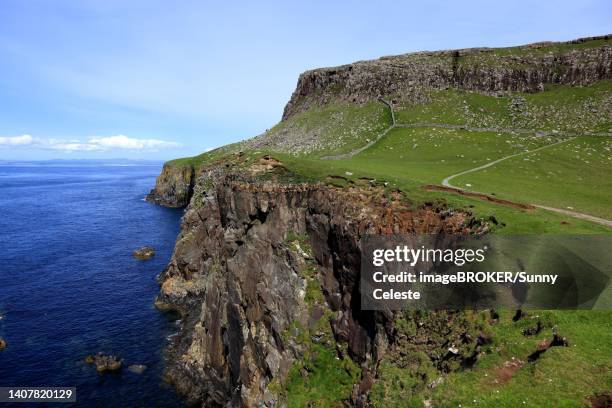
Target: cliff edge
x,y
406,77
174,186
265,272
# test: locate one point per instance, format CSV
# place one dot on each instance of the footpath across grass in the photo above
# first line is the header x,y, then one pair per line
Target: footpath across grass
x,y
575,175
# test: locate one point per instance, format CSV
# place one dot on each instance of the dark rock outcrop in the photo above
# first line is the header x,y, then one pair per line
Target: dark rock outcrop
x,y
601,400
174,186
238,285
485,70
104,362
144,253
557,341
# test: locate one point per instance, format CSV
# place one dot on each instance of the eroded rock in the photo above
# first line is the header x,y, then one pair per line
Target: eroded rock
x,y
174,186
600,400
407,76
144,253
105,362
240,284
556,341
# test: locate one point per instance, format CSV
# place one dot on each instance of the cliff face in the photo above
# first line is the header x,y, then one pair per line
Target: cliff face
x,y
238,280
173,187
263,272
478,69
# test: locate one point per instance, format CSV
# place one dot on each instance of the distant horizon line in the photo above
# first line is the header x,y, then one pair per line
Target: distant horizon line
x,y
120,159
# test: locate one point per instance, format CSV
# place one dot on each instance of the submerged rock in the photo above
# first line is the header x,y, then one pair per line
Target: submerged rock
x,y
137,368
2,343
144,253
105,362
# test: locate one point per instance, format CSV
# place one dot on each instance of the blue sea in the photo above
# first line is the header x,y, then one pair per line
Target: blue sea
x,y
70,287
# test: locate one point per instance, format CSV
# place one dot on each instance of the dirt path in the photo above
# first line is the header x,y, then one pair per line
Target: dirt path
x,y
446,181
394,124
578,215
574,214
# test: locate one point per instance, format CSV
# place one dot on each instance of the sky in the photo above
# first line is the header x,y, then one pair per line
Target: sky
x,y
160,79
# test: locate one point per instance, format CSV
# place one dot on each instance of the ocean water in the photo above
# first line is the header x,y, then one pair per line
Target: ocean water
x,y
69,286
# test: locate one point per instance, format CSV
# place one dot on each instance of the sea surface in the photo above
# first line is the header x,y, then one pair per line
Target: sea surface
x,y
70,287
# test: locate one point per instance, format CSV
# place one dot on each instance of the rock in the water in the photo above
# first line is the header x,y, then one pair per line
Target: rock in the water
x,y
105,362
2,343
144,253
137,368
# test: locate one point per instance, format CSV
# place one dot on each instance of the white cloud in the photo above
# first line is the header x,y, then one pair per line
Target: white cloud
x,y
16,140
124,142
69,146
118,142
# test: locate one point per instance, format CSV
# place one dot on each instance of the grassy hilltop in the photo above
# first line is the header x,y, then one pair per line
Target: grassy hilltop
x,y
547,113
445,130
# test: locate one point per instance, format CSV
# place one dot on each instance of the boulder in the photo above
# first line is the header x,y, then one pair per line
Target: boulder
x,y
144,253
105,362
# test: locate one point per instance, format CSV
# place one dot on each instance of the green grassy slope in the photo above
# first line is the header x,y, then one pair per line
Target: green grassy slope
x,y
336,128
575,175
427,155
560,108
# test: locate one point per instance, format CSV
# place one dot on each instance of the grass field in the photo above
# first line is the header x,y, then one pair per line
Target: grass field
x,y
561,377
572,176
575,175
427,155
333,129
406,159
558,108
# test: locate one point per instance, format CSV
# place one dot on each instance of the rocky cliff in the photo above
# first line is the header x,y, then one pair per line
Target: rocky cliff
x,y
405,77
265,274
174,186
258,265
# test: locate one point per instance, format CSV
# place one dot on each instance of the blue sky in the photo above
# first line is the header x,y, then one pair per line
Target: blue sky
x,y
161,79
